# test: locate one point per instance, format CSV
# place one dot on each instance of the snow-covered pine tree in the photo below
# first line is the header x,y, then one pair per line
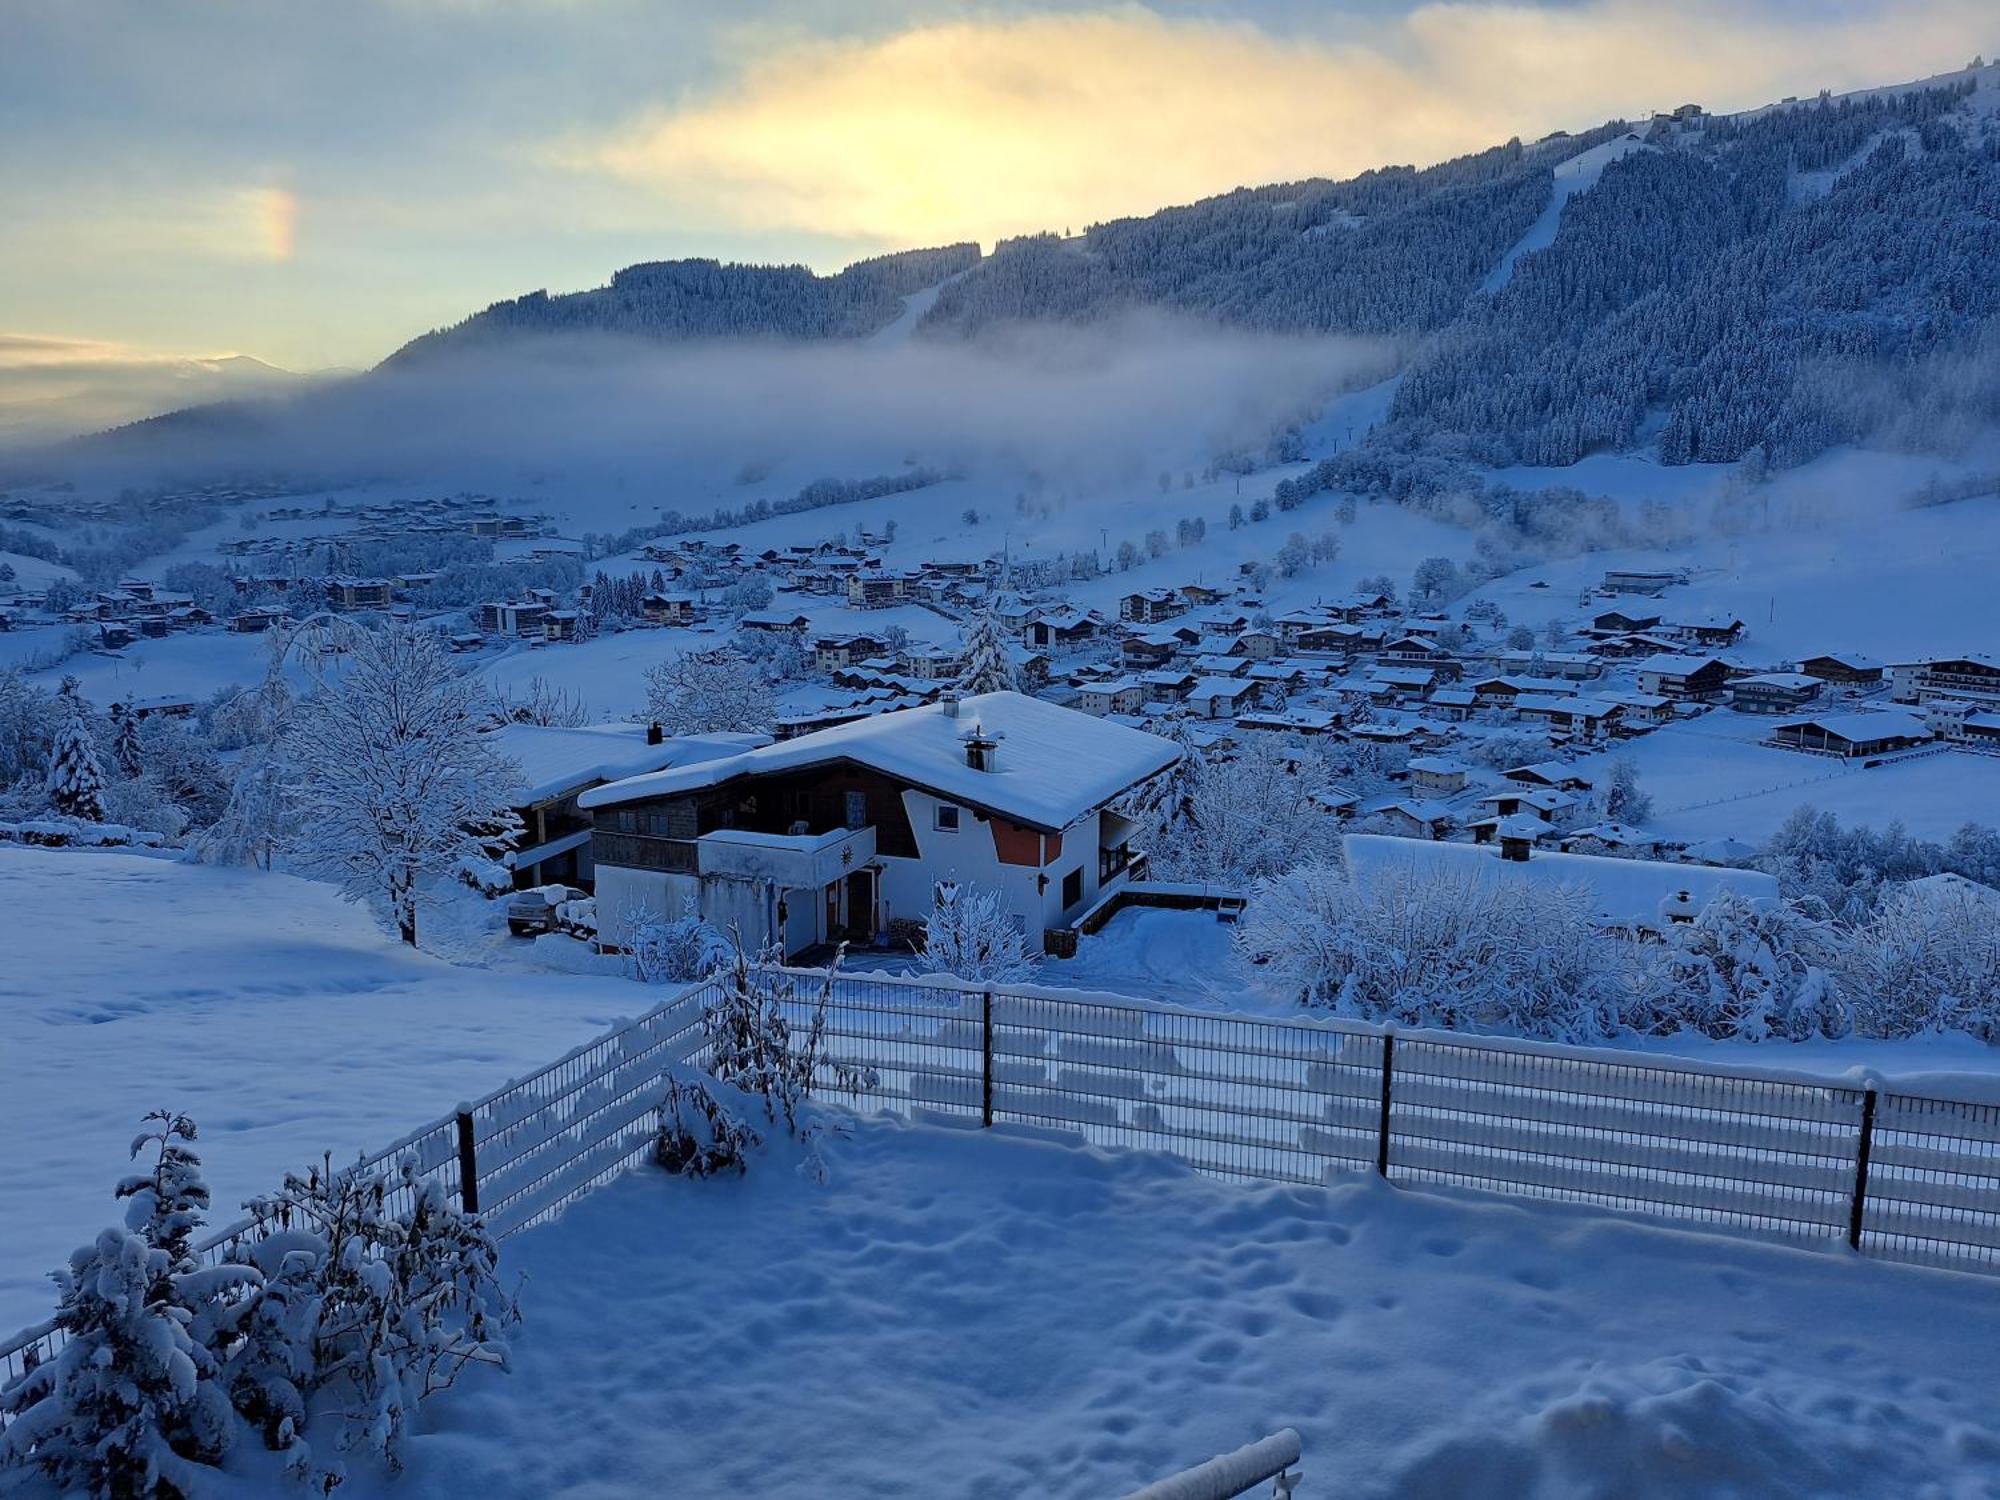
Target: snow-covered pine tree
x,y
969,934
987,668
97,1417
393,780
1624,802
169,1201
76,776
125,744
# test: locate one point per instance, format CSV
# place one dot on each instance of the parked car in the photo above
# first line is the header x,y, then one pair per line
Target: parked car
x,y
532,912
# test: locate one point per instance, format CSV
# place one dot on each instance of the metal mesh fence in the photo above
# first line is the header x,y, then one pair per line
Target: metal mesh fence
x,y
1901,1177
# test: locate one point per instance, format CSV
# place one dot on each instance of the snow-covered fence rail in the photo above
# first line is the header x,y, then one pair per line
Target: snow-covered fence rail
x,y
1896,1176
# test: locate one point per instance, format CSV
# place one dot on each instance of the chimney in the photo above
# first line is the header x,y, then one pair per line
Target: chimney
x,y
948,704
980,748
655,735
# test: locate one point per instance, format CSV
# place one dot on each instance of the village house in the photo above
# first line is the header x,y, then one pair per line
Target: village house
x,y
172,705
1975,676
1623,622
1167,684
1773,692
1418,818
256,621
879,588
1845,669
1543,803
1704,630
1308,722
558,764
1257,645
1553,775
1685,679
1588,717
1398,684
1220,697
1150,606
1569,666
521,617
1121,695
561,625
832,652
1200,595
775,621
1438,776
1963,722
1640,580
669,609
1153,648
1853,734
841,833
1060,630
345,593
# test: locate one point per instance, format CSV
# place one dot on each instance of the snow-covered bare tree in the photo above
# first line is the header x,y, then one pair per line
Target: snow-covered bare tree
x,y
988,668
393,781
542,702
1748,971
970,934
1254,814
1928,959
255,820
76,775
679,950
709,692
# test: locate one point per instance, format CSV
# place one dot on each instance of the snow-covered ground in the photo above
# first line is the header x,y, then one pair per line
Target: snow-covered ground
x,y
276,1014
1000,1314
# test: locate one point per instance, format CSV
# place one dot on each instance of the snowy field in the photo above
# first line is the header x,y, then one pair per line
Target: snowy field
x,y
999,1315
276,1014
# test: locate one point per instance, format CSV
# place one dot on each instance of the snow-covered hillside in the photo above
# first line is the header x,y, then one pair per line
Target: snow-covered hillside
x,y
278,1016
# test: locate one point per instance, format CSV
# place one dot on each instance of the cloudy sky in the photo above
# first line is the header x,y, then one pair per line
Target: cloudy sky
x,y
313,183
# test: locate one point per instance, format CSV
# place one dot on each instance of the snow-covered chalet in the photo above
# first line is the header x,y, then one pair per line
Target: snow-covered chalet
x,y
840,833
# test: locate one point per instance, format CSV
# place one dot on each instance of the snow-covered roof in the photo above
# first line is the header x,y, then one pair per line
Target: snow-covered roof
x,y
1211,688
1623,892
1054,764
555,761
1863,724
1676,666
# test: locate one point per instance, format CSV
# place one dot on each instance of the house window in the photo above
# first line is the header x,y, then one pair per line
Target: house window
x,y
857,809
1072,888
628,822
944,818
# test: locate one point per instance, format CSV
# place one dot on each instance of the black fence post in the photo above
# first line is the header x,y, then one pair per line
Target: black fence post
x,y
1382,1129
468,1163
986,1059
1860,1205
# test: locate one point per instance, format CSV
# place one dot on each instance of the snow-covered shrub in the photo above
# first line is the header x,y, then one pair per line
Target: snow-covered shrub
x,y
1624,802
1928,959
752,1045
699,1134
675,952
1432,949
1746,971
972,935
393,1305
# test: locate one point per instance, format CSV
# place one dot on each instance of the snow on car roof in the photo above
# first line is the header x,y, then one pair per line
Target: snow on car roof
x,y
1052,767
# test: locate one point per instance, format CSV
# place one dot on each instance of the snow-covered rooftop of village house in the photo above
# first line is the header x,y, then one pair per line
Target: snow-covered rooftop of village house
x,y
1623,892
558,760
1053,764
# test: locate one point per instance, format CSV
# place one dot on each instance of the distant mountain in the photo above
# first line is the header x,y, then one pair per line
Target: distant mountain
x,y
53,388
1718,287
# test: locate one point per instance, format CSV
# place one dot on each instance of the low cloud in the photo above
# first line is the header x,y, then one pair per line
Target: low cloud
x,y
1080,407
991,126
